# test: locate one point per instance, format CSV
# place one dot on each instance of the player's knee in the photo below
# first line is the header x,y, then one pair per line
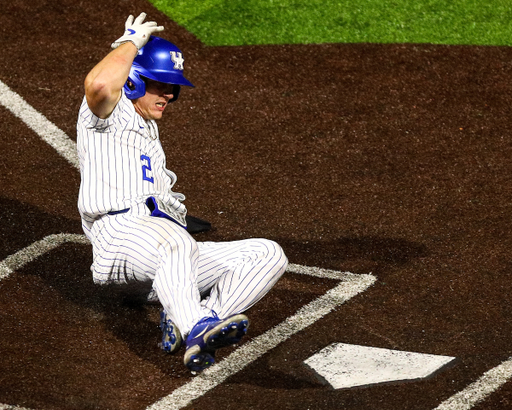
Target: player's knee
x,y
274,255
185,248
180,243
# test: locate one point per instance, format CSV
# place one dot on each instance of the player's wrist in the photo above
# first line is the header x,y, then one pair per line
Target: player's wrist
x,y
137,31
130,43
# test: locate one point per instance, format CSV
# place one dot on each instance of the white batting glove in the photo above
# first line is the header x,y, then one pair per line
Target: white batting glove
x,y
137,32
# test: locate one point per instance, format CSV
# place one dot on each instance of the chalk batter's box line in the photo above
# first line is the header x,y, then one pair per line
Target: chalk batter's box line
x,y
349,286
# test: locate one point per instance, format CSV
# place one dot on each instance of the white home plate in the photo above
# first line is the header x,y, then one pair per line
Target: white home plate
x,y
344,366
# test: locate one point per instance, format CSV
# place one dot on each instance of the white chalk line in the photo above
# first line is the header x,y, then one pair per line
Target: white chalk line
x,y
38,123
479,390
31,252
50,133
350,286
9,407
26,255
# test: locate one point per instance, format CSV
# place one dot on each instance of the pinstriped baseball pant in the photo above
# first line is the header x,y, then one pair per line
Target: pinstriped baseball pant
x,y
191,279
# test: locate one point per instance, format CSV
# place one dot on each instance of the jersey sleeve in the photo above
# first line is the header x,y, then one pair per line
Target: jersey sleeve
x,y
91,121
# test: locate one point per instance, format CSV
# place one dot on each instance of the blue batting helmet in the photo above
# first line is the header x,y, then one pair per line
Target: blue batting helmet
x,y
159,60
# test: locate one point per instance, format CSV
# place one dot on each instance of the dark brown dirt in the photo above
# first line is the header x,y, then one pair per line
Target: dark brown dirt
x,y
390,159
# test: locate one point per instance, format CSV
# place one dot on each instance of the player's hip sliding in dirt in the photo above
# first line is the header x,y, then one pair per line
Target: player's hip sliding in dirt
x,y
138,225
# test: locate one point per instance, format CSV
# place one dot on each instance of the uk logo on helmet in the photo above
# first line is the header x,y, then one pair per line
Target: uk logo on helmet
x,y
177,59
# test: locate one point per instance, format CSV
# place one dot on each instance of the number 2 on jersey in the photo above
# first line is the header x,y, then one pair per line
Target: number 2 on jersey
x,y
145,168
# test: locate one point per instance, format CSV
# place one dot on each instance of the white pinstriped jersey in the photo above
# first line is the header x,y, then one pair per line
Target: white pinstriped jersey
x,y
121,164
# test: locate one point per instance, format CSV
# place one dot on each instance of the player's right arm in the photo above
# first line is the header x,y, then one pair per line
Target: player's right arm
x,y
104,83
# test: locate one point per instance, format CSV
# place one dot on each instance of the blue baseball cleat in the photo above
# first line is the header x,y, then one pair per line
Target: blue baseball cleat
x,y
171,336
210,334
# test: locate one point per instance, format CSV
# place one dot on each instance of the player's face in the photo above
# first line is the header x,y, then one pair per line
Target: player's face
x,y
152,104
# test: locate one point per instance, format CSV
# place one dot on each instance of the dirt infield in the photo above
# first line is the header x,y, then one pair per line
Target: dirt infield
x,y
393,160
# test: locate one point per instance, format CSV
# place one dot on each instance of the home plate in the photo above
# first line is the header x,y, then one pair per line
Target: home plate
x,y
344,366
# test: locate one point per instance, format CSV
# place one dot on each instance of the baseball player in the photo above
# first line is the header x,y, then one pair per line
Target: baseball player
x,y
137,224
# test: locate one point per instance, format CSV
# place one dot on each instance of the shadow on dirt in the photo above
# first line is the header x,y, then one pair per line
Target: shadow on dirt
x,y
368,252
22,225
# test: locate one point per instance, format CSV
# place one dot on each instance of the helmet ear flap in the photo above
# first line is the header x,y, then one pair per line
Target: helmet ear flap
x,y
175,92
135,87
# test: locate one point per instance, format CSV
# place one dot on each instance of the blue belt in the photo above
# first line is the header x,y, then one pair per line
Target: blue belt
x,y
122,211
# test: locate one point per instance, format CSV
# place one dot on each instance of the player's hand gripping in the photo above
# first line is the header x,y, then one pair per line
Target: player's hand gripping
x,y
137,31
